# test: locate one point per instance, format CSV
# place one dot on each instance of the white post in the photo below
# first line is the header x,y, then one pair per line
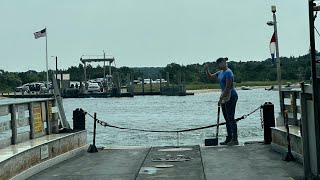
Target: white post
x,y
273,9
104,67
47,57
85,77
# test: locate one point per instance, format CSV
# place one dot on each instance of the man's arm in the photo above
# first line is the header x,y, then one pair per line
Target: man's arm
x,y
209,75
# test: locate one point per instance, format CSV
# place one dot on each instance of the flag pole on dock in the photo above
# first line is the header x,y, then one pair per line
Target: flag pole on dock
x,y
275,41
47,57
37,35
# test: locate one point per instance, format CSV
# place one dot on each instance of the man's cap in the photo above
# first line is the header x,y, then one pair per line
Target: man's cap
x,y
219,60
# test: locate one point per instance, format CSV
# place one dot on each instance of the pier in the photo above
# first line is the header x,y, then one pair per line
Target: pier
x,y
252,161
30,138
49,153
163,138
129,90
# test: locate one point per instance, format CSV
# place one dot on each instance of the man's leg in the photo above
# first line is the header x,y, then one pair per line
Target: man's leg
x,y
231,107
229,133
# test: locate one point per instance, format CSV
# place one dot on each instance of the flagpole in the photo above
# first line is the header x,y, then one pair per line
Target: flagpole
x,y
47,57
273,9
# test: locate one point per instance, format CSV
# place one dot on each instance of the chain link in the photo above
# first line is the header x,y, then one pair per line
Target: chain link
x,y
245,116
105,124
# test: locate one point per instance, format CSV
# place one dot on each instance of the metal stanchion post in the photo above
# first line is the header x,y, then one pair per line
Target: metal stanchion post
x,y
92,148
289,156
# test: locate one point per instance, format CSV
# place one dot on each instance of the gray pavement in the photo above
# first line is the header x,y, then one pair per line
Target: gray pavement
x,y
106,164
180,170
254,161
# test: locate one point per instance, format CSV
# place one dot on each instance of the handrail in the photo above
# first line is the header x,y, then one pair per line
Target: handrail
x,y
292,107
40,120
25,102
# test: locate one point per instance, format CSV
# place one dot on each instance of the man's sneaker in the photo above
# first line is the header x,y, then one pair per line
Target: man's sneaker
x,y
226,141
233,142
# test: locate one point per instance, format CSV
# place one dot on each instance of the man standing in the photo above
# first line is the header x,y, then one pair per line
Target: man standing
x,y
228,98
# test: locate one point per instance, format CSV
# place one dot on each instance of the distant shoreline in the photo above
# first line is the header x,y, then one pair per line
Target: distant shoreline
x,y
196,91
205,90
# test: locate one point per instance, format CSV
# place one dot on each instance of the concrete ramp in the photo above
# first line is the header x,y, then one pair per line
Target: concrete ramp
x,y
254,161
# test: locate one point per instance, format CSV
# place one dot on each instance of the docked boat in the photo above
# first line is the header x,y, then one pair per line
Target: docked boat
x,y
289,86
246,88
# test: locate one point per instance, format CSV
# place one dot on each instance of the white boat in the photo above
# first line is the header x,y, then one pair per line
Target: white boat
x,y
246,88
289,86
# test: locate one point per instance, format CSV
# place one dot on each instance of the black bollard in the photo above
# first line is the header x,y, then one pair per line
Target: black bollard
x,y
79,119
92,148
268,121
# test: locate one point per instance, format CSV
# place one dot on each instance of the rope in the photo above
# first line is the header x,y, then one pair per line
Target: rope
x,y
105,124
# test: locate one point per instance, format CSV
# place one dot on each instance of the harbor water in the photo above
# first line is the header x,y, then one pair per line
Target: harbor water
x,y
167,113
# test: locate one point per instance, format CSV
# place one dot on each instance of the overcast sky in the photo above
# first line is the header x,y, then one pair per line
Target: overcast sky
x,y
141,33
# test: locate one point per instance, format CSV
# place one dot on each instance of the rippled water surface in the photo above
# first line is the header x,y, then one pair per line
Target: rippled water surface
x,y
167,113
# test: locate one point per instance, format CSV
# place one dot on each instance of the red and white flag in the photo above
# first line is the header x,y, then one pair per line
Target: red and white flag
x,y
273,47
40,34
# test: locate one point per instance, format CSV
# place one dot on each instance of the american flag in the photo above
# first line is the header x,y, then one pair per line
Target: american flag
x,y
40,34
273,47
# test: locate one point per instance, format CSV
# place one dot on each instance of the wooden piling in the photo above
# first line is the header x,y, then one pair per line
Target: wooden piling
x,y
31,120
13,124
160,83
128,82
48,118
132,84
150,84
142,85
168,80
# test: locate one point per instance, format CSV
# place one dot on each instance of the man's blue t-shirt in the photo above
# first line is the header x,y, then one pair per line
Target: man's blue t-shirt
x,y
222,77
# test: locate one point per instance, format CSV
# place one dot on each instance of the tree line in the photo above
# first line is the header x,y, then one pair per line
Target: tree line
x,y
293,68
